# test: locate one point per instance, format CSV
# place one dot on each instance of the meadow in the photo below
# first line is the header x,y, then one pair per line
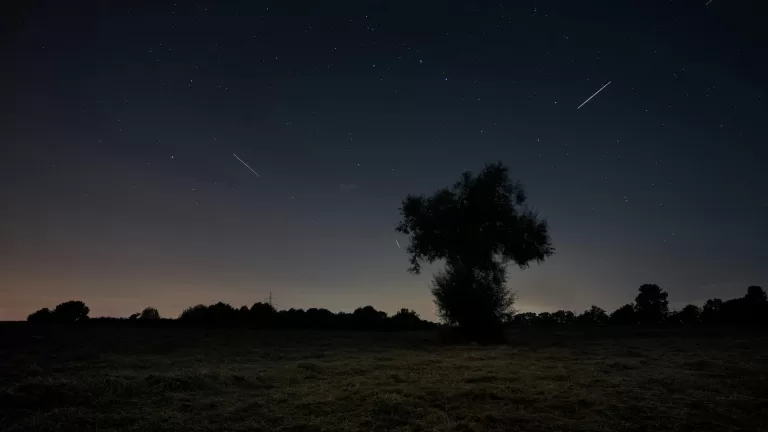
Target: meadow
x,y
133,379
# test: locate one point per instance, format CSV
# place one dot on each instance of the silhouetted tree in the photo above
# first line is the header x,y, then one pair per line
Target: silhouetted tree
x,y
149,313
223,315
735,311
324,319
243,316
43,316
564,317
756,306
691,314
750,309
292,318
477,226
262,315
652,305
683,316
194,314
624,315
545,319
507,317
561,317
525,318
215,316
368,318
406,319
70,312
461,296
756,295
593,316
711,312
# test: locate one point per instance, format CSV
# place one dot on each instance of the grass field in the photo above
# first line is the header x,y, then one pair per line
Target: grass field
x,y
197,380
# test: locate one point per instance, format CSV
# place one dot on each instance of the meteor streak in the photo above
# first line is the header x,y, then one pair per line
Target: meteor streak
x,y
246,165
588,99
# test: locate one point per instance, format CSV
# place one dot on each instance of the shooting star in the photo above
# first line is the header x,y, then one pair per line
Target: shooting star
x,y
590,98
707,3
398,244
246,165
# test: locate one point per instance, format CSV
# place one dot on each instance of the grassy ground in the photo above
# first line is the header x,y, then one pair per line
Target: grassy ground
x,y
196,380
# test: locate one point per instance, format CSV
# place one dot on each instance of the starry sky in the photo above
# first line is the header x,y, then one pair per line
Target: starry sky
x,y
120,125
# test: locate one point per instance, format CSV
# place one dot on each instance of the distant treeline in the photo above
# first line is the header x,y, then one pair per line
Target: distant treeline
x,y
651,307
258,316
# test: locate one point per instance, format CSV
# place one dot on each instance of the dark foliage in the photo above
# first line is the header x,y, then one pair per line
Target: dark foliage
x,y
264,316
549,319
217,315
65,313
149,313
750,310
477,226
689,315
477,301
70,312
651,304
651,309
525,318
756,295
563,317
406,318
593,316
625,315
43,316
133,321
711,312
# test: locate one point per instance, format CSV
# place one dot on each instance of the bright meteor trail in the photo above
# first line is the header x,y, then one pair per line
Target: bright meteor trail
x,y
246,165
589,98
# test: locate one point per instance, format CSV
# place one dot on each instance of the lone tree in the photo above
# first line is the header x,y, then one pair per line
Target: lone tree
x,y
651,304
478,226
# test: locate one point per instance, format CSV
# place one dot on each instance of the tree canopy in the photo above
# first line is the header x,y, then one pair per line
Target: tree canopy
x,y
755,295
594,316
477,226
652,305
150,313
70,312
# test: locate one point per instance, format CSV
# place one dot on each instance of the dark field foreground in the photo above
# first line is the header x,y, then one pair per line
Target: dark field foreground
x,y
234,380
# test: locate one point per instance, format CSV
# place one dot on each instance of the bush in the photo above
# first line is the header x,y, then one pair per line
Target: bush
x,y
70,312
43,316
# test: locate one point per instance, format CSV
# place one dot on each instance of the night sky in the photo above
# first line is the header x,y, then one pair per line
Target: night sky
x,y
119,125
